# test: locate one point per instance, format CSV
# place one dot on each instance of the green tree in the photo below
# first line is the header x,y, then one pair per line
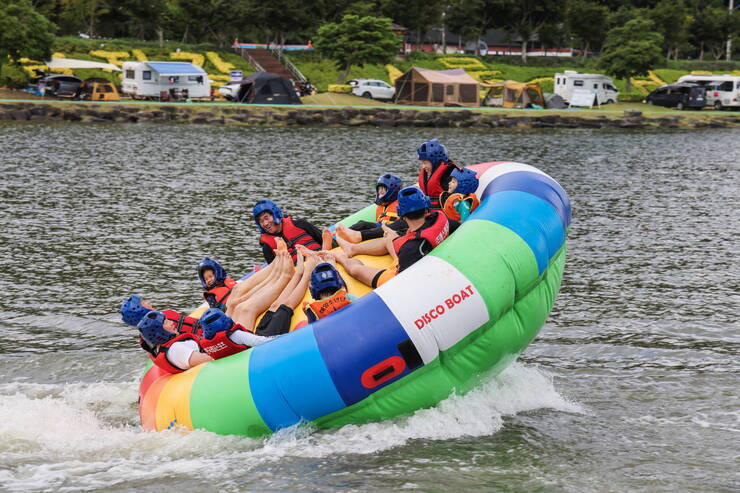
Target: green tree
x,y
85,14
357,41
416,15
282,19
631,50
24,33
671,19
526,18
586,21
472,18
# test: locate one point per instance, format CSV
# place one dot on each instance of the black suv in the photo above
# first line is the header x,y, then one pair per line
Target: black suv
x,y
680,96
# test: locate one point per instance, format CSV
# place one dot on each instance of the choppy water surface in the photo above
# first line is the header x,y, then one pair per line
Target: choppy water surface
x,y
632,384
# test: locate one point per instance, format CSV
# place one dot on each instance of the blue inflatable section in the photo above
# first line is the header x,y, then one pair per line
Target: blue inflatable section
x,y
357,338
284,396
536,221
536,184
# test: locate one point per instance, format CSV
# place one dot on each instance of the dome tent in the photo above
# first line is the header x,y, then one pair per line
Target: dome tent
x,y
266,88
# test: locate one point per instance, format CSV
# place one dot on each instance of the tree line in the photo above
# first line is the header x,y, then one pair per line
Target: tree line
x,y
689,28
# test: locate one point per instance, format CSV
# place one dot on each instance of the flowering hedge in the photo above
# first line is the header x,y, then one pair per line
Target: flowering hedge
x,y
221,66
480,75
112,57
340,88
139,55
193,58
462,62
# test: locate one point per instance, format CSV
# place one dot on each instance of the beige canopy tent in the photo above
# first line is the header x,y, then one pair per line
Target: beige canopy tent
x,y
424,87
512,94
72,63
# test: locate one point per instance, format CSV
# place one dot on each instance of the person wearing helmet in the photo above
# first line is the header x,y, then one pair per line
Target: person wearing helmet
x,y
223,337
134,308
272,225
328,290
426,229
386,200
169,350
436,168
460,199
217,286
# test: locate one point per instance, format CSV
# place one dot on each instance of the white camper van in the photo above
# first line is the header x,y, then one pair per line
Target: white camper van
x,y
165,80
723,91
601,85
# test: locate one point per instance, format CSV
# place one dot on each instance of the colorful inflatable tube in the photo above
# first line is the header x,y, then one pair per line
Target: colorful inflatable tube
x,y
457,316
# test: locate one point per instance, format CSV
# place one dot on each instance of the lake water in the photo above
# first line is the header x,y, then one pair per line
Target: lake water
x,y
632,384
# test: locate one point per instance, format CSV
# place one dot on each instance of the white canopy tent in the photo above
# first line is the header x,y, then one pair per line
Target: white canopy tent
x,y
72,63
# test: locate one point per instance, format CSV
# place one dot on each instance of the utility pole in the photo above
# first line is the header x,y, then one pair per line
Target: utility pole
x,y
729,38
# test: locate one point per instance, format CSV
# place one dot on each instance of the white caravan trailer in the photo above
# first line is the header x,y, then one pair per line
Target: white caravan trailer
x,y
723,91
601,85
165,80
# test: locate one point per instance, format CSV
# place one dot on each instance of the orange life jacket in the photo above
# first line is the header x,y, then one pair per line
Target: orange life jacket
x,y
159,356
216,297
432,187
435,233
387,214
321,308
451,200
293,235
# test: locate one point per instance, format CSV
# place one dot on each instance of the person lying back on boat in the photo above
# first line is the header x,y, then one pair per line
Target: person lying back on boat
x,y
328,290
435,172
134,308
217,286
427,229
273,225
460,199
386,212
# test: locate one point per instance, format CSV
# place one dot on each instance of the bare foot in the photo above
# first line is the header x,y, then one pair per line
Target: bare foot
x,y
389,233
326,239
281,244
349,234
346,246
327,257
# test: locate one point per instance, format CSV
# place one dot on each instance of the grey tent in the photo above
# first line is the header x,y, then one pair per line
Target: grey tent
x,y
553,101
267,88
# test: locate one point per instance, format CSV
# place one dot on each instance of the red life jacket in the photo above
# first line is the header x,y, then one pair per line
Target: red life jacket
x,y
321,308
160,356
293,235
221,346
387,214
433,186
435,233
184,323
216,297
449,201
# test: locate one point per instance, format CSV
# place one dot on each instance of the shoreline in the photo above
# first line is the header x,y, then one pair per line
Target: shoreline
x,y
352,116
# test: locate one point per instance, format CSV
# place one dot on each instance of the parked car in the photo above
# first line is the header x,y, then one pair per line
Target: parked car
x,y
372,88
61,85
230,91
680,96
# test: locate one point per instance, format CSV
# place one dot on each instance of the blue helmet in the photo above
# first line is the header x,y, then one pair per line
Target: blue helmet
x,y
412,199
218,272
467,182
131,310
392,185
433,151
214,321
269,206
325,277
151,328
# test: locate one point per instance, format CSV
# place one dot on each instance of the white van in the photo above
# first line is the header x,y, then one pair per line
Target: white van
x,y
165,80
601,85
723,91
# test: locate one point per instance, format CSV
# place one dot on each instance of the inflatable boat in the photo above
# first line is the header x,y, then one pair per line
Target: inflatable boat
x,y
456,317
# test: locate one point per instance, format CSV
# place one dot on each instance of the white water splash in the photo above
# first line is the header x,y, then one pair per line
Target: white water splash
x,y
84,436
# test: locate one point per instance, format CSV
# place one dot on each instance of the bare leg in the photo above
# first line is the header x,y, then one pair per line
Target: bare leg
x,y
298,290
373,247
249,283
355,268
246,313
278,264
348,234
326,238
